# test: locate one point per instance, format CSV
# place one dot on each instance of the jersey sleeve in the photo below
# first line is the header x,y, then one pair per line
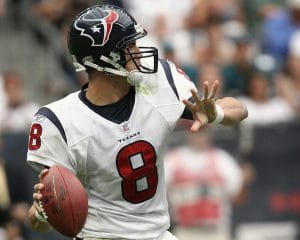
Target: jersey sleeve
x,y
46,146
173,86
182,82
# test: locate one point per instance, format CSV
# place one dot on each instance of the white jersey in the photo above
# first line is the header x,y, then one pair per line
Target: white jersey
x,y
120,165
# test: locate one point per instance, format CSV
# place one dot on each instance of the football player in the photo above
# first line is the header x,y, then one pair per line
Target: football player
x,y
113,132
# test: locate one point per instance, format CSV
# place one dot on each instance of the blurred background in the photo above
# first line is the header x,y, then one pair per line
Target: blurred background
x,y
238,182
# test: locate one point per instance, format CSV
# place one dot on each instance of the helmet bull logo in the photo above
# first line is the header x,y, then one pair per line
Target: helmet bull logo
x,y
99,32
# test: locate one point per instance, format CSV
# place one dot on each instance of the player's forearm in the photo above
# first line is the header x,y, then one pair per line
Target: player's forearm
x,y
37,224
234,110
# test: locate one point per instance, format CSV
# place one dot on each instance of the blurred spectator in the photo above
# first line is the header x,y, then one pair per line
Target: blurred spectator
x,y
19,111
263,107
32,46
13,231
165,22
54,18
54,11
184,42
278,27
174,12
205,12
211,47
203,181
288,83
192,28
202,51
19,214
256,10
210,73
198,16
2,8
207,18
237,73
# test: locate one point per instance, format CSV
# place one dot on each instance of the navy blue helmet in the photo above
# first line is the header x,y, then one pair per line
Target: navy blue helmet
x,y
99,39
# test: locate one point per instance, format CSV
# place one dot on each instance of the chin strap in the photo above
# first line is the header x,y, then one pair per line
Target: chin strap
x,y
106,69
121,71
134,77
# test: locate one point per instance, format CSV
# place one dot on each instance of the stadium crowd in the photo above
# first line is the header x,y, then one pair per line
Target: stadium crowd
x,y
251,47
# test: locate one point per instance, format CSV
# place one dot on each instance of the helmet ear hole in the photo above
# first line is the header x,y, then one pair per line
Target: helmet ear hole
x,y
115,55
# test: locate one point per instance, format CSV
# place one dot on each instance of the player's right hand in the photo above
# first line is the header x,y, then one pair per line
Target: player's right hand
x,y
37,196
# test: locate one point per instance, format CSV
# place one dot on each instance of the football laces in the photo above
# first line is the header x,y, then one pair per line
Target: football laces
x,y
43,213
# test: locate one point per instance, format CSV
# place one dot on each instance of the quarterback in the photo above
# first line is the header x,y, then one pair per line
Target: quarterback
x,y
113,132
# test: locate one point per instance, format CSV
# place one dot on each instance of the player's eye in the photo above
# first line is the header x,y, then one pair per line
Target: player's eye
x,y
132,45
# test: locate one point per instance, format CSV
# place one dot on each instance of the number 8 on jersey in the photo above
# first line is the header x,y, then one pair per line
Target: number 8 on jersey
x,y
136,166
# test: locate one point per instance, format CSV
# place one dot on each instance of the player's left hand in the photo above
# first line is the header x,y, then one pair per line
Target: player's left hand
x,y
203,110
37,196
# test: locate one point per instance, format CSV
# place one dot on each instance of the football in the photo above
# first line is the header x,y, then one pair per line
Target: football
x,y
64,201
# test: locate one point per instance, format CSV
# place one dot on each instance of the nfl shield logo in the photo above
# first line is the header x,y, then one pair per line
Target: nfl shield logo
x,y
125,127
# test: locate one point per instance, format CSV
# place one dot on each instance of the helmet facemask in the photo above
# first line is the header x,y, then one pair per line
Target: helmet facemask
x,y
145,54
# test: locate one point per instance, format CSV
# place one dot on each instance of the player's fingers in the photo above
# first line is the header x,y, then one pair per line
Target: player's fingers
x,y
37,206
196,126
43,173
189,105
37,196
205,89
196,97
37,187
214,90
